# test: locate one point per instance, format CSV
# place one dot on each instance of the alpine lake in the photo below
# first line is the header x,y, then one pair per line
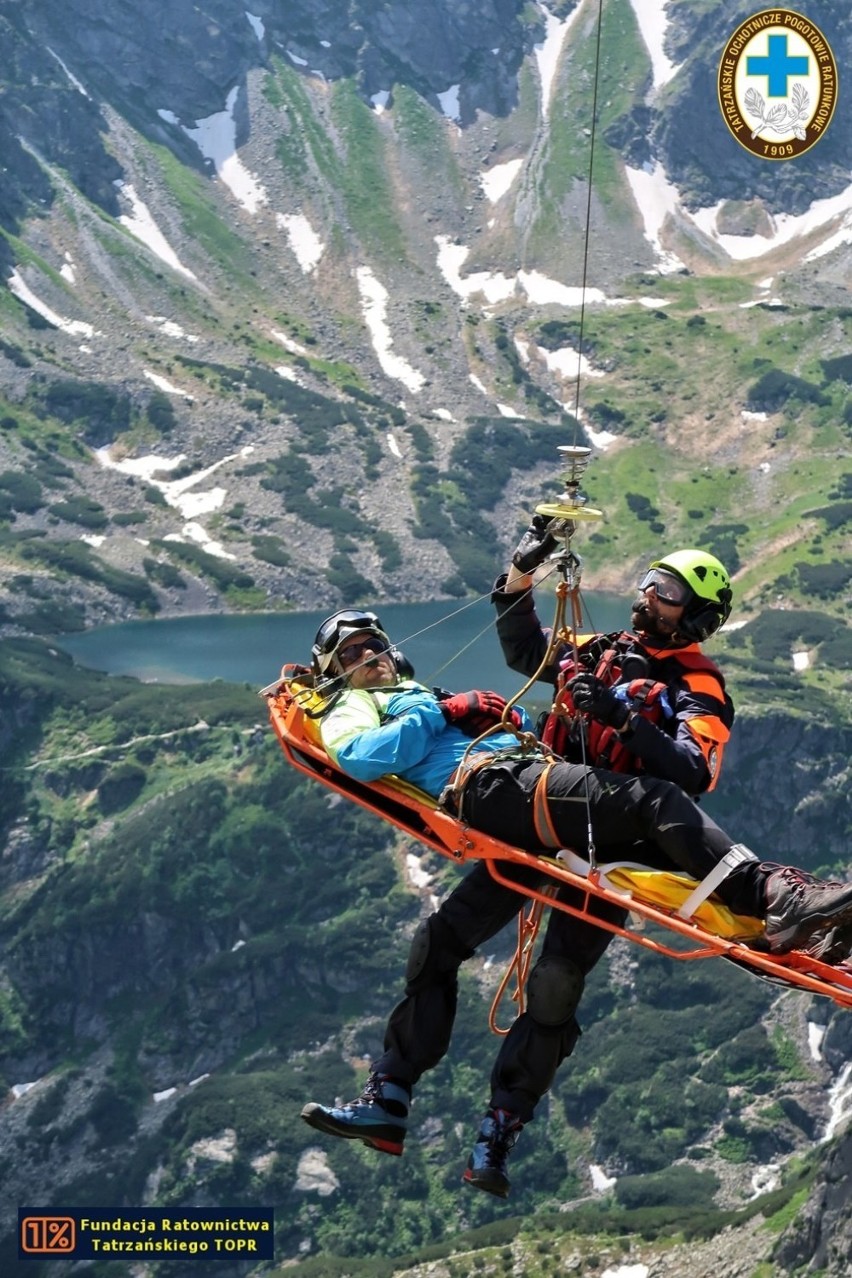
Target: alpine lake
x,y
451,643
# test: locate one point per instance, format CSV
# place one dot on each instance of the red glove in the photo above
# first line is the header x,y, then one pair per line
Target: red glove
x,y
475,712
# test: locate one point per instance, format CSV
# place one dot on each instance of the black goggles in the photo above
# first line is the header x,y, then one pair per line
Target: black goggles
x,y
668,588
351,654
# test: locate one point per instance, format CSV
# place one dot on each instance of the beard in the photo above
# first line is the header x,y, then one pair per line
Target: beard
x,y
645,623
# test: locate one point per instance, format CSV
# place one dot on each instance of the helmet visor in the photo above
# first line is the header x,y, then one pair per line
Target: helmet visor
x,y
668,588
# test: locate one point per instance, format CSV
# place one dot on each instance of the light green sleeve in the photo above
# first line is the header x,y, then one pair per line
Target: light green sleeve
x,y
354,713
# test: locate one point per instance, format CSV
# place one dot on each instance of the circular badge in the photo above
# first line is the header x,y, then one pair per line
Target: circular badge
x,y
777,84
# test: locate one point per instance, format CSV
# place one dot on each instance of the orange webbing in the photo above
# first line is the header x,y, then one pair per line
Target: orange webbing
x,y
529,923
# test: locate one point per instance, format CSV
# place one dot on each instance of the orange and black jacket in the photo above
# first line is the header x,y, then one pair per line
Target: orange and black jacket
x,y
685,745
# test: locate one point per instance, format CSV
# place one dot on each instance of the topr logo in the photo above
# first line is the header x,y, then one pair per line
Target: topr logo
x,y
777,84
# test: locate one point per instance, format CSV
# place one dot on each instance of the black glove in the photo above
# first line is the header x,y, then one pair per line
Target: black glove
x,y
538,542
475,712
594,698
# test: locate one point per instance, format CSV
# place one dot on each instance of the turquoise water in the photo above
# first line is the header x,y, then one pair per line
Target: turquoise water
x,y
450,643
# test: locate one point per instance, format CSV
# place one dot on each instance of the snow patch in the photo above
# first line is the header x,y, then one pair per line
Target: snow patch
x,y
95,540
765,1179
543,291
163,384
374,299
785,227
568,363
176,492
164,1095
76,83
393,446
597,438
169,327
506,410
801,660
215,137
451,258
194,532
548,53
287,342
380,101
748,416
653,24
449,101
601,1183
77,328
496,181
20,1089
816,1036
656,197
67,270
142,226
306,245
256,25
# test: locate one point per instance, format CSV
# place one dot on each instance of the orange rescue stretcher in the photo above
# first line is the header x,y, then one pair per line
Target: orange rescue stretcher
x,y
653,896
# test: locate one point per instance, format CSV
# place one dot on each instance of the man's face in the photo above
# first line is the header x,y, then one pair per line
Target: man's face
x,y
366,662
654,615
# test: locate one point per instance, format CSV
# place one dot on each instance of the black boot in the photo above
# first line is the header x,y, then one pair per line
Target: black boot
x,y
487,1165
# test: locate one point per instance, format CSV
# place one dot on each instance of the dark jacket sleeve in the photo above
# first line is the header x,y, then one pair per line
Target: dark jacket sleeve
x,y
676,755
522,637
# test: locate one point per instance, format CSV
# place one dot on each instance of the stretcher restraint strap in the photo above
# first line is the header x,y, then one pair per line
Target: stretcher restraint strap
x,y
738,855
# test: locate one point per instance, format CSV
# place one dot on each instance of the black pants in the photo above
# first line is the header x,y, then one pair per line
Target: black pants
x,y
671,830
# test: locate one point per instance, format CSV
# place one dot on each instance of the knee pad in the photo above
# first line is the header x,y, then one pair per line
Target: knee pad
x,y
435,954
554,990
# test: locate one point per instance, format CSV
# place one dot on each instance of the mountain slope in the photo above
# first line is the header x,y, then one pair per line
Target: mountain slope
x,y
288,244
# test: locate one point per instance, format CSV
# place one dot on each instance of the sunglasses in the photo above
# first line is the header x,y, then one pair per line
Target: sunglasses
x,y
353,652
668,588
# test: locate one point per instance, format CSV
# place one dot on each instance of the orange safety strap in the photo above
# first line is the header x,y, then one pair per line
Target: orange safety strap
x,y
519,965
542,817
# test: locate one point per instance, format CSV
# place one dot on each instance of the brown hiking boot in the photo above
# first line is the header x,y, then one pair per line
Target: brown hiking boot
x,y
798,905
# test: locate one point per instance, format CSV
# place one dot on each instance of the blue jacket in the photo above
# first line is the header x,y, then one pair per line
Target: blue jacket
x,y
401,730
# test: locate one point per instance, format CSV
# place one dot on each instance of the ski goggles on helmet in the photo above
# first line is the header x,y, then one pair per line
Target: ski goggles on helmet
x,y
350,654
668,588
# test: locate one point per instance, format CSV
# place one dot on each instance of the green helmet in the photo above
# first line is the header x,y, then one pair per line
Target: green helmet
x,y
710,605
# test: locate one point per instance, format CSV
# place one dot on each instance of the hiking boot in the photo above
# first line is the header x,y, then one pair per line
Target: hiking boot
x,y
486,1167
379,1117
797,905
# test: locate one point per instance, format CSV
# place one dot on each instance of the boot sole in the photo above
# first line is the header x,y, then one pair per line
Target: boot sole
x,y
795,937
499,1188
386,1142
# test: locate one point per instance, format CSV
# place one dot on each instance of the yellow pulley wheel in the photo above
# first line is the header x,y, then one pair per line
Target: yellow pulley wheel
x,y
556,510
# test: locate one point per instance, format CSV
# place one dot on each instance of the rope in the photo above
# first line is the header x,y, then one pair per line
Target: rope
x,y
529,924
587,234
